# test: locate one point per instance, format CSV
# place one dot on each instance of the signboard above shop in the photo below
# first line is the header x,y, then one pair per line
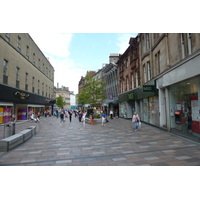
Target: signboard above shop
x,y
149,88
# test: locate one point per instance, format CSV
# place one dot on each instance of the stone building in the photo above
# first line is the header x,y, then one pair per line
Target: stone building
x,y
128,79
111,88
65,93
170,82
26,77
178,83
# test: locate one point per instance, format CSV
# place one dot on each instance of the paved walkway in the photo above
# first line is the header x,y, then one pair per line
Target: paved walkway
x,y
116,144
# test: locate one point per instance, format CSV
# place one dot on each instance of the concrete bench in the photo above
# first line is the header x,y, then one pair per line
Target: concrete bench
x,y
27,134
33,130
13,141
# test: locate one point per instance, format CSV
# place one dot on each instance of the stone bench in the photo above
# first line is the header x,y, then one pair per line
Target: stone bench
x,y
13,141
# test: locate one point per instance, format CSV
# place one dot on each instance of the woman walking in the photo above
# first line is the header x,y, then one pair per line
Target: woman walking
x,y
135,121
103,119
83,119
61,118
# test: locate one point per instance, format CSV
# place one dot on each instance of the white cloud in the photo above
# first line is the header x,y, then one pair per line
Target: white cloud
x,y
66,74
123,41
55,46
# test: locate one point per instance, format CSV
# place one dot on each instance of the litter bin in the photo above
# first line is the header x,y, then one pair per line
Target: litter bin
x,y
12,128
7,130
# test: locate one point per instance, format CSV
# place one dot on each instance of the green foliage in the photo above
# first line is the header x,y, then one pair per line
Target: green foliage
x,y
60,102
93,92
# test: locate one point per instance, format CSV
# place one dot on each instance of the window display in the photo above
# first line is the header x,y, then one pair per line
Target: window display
x,y
185,103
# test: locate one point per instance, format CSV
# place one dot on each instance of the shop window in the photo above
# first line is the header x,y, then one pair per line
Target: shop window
x,y
184,107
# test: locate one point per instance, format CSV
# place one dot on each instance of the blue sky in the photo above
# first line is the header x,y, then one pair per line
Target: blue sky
x,y
73,54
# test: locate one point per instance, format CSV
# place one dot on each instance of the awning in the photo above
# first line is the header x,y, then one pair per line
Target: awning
x,y
113,101
36,106
6,104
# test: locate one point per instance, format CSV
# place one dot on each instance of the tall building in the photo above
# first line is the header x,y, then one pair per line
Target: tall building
x,y
73,103
110,72
129,79
26,77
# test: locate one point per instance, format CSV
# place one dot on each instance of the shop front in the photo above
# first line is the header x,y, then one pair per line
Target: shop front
x,y
112,105
21,104
179,94
127,104
5,112
147,96
185,107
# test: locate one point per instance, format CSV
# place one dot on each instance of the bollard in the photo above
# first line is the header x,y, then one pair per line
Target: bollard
x,y
12,128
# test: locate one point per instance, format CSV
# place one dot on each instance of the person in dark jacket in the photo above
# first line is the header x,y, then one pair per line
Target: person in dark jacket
x,y
80,116
70,115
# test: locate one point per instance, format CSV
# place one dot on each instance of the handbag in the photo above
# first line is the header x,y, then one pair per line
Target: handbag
x,y
82,119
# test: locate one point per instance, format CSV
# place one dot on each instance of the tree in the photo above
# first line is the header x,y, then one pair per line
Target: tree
x,y
60,102
93,91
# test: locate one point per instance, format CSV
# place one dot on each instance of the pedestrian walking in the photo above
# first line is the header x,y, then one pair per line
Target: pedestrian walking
x,y
57,113
111,114
103,119
83,119
80,116
61,118
38,115
135,121
70,115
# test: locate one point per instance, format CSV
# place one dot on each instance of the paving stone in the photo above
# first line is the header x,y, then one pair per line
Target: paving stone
x,y
151,158
119,159
114,145
183,157
63,161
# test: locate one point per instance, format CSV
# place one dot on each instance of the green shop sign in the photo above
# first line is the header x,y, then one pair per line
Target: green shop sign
x,y
131,96
149,88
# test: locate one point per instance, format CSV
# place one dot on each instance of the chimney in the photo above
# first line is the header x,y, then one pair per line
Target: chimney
x,y
57,85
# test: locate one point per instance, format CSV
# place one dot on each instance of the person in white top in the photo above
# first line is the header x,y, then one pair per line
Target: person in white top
x,y
111,114
33,119
83,119
135,121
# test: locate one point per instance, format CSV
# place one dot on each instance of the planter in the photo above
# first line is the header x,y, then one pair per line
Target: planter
x,y
96,120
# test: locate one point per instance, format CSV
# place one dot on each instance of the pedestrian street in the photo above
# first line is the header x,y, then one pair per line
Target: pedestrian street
x,y
115,144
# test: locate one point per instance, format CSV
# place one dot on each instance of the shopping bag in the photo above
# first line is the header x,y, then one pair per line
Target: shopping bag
x,y
140,124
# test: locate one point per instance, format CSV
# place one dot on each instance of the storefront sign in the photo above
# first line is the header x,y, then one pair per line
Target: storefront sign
x,y
22,95
149,88
131,96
